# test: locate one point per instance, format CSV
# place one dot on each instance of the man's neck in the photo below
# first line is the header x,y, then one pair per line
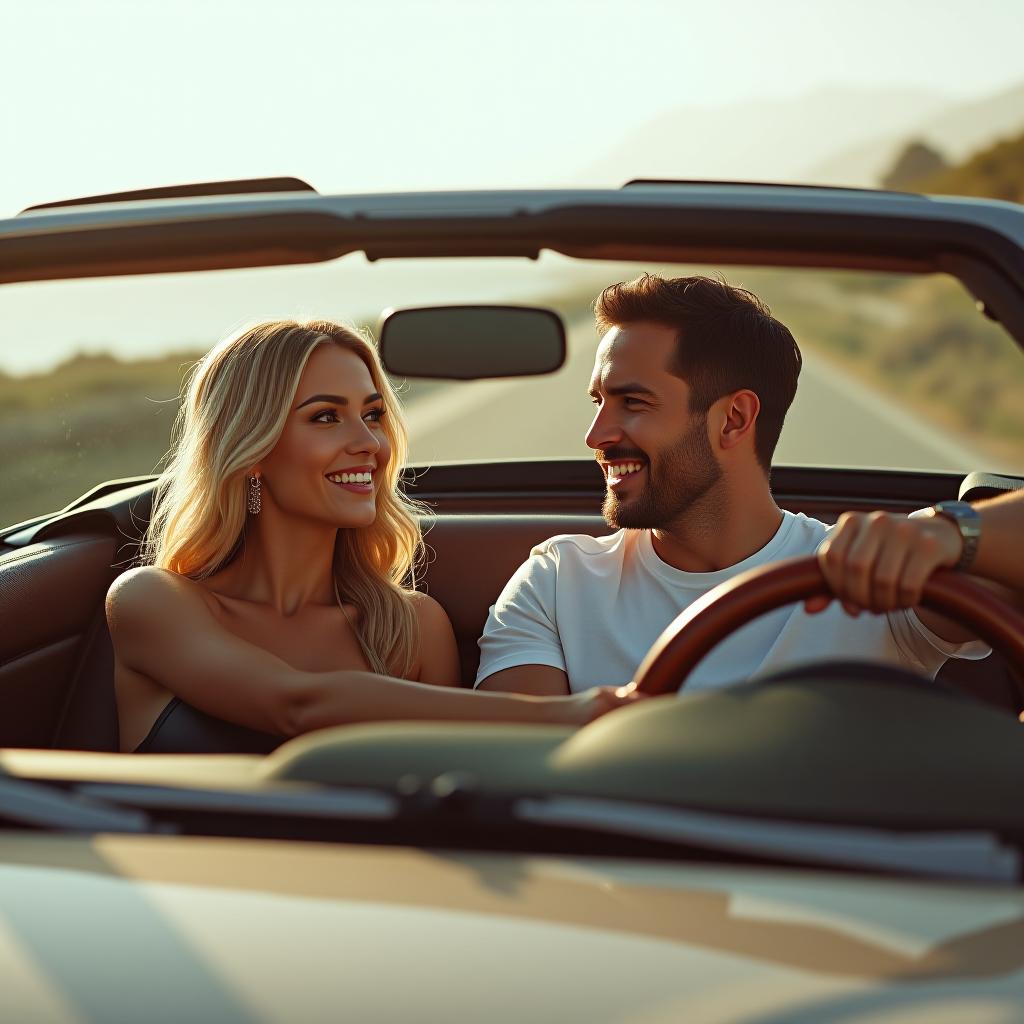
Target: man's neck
x,y
721,530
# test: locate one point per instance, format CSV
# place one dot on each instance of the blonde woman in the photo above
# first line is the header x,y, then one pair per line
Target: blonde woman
x,y
277,596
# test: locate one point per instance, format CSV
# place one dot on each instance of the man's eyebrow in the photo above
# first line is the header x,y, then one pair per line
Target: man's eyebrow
x,y
337,400
629,388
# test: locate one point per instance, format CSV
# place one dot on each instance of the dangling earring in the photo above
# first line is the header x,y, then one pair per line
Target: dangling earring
x,y
254,496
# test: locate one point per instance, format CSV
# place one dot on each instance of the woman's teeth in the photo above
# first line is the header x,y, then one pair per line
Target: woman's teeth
x,y
350,478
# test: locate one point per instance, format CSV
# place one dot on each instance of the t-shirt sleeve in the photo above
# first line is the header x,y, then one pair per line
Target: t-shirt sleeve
x,y
918,645
922,647
521,625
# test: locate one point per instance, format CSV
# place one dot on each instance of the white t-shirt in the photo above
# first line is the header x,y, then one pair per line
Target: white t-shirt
x,y
593,606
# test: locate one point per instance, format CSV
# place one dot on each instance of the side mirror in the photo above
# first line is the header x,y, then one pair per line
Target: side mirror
x,y
471,342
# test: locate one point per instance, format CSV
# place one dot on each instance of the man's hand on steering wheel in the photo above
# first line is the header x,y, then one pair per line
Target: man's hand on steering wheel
x,y
877,561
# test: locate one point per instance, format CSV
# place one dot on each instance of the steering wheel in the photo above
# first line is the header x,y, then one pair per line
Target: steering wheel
x,y
708,621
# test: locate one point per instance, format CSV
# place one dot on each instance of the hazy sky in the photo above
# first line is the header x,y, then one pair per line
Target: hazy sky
x,y
403,94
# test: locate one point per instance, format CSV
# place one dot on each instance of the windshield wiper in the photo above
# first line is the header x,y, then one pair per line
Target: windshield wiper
x,y
332,804
431,806
976,855
41,805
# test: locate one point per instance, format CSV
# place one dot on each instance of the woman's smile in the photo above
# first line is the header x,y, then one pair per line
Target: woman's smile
x,y
358,479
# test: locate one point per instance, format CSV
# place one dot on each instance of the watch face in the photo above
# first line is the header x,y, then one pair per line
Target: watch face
x,y
968,522
963,514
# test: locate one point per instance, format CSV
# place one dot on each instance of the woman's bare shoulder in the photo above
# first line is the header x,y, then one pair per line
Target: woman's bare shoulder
x,y
438,661
429,611
149,592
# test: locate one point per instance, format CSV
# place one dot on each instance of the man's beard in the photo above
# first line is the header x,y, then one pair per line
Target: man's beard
x,y
680,478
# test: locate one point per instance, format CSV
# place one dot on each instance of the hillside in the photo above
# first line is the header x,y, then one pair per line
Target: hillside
x,y
772,139
996,172
957,131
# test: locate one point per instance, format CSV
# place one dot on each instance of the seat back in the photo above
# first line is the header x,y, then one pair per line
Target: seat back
x,y
473,557
51,594
56,660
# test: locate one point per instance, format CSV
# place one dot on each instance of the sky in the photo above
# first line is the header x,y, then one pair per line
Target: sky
x,y
402,95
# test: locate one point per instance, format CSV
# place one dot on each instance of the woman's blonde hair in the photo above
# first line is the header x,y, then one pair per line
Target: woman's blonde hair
x,y
236,401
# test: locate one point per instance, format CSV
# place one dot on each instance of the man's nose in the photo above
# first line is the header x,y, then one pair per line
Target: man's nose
x,y
604,431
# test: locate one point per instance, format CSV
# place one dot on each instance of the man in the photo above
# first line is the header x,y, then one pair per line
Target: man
x,y
691,385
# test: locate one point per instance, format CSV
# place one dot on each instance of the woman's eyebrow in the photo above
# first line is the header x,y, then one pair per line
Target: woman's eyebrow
x,y
337,400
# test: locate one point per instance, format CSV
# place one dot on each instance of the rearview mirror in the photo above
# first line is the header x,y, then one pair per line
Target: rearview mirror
x,y
471,342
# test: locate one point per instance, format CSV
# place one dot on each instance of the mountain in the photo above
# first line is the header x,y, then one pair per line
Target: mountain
x,y
996,171
956,132
767,140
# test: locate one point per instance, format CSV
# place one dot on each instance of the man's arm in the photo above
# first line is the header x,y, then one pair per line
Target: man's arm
x,y
521,649
535,680
879,562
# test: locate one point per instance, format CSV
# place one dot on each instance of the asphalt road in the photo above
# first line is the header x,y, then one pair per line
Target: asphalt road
x,y
836,420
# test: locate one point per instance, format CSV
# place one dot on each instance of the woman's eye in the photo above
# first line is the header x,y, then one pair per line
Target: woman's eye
x,y
326,416
374,415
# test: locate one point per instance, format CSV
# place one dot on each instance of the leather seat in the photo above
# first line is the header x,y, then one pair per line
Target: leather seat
x,y
56,659
473,557
52,638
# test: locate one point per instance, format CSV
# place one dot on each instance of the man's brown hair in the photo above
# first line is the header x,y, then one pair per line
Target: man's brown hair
x,y
727,341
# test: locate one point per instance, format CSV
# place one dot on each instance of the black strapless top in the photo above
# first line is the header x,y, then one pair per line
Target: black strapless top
x,y
183,729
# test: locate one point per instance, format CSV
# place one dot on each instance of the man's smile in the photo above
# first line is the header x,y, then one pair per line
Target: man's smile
x,y
617,473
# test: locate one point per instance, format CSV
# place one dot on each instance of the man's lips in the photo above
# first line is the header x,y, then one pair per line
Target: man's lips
x,y
621,471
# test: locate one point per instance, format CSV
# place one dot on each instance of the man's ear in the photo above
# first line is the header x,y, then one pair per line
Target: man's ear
x,y
739,414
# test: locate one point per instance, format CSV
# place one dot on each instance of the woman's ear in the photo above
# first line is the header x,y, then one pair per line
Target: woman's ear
x,y
740,414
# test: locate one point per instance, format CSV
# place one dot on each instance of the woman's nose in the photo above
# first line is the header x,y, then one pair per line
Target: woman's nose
x,y
364,440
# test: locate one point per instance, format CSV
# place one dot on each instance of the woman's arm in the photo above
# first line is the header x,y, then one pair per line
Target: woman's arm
x,y
161,626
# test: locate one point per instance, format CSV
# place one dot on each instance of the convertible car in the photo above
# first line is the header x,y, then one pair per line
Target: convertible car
x,y
842,843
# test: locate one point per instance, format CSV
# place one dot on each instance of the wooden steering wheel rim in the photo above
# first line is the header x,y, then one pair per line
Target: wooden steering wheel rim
x,y
708,621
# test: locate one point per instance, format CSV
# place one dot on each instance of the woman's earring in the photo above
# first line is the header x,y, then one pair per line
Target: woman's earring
x,y
254,495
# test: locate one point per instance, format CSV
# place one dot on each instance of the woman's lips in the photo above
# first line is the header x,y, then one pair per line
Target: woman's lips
x,y
355,486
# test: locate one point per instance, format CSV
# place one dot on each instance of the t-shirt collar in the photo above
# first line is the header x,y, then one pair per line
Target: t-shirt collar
x,y
771,551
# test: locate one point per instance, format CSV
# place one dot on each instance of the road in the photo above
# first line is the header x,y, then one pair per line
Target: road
x,y
835,421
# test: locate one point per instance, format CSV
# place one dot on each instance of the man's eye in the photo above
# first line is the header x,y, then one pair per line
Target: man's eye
x,y
635,403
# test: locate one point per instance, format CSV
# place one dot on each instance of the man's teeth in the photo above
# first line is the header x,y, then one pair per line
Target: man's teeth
x,y
621,469
350,478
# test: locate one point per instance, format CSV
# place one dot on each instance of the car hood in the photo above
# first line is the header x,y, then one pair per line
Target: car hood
x,y
115,928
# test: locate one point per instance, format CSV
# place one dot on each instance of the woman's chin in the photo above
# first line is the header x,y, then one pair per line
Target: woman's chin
x,y
355,518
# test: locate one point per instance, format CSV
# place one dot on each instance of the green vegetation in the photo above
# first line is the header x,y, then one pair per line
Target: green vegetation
x,y
91,419
918,340
916,162
996,172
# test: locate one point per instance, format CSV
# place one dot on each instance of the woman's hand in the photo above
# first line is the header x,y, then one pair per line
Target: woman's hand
x,y
581,708
877,561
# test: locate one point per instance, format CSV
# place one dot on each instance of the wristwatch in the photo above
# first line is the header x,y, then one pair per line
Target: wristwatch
x,y
968,522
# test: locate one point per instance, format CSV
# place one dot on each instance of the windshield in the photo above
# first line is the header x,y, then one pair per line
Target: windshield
x,y
900,371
